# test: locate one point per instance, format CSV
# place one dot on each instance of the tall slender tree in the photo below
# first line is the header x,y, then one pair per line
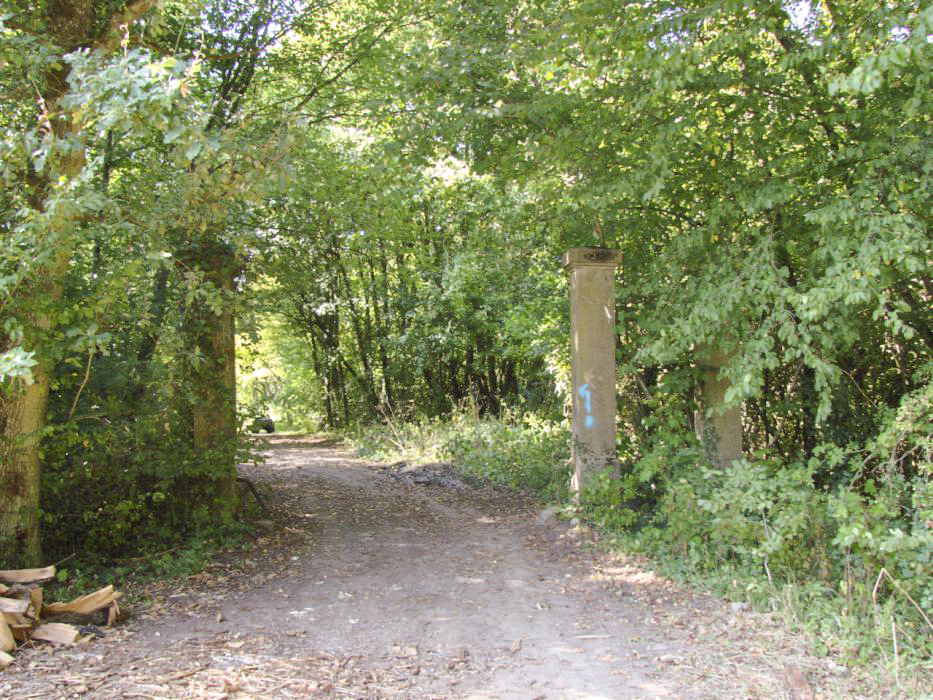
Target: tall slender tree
x,y
51,191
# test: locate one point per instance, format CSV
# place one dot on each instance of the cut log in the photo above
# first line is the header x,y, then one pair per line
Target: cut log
x,y
16,620
35,596
84,605
27,575
19,625
13,605
114,614
3,589
56,632
5,659
6,636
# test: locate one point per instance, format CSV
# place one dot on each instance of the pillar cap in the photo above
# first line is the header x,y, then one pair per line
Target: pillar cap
x,y
591,257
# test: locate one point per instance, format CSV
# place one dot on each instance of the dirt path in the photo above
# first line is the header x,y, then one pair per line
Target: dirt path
x,y
384,583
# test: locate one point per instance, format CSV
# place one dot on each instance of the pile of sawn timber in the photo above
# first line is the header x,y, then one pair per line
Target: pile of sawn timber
x,y
24,617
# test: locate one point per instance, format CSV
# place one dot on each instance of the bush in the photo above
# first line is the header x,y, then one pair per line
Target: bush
x,y
526,453
523,452
112,489
762,516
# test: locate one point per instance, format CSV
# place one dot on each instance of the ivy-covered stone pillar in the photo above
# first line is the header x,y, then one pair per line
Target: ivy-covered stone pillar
x,y
593,334
719,430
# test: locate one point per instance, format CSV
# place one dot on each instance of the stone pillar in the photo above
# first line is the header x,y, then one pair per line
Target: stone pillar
x,y
719,431
592,328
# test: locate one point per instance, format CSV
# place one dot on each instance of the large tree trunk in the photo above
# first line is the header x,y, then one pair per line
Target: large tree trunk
x,y
24,417
23,420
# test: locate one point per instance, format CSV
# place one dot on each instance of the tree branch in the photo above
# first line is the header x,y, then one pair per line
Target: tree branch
x,y
116,29
87,376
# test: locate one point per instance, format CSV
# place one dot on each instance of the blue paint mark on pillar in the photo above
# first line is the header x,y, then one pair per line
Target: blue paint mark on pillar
x,y
586,395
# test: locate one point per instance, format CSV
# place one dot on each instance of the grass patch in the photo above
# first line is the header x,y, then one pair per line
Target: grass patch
x,y
525,453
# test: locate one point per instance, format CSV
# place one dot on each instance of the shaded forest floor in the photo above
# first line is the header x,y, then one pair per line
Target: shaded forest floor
x,y
385,582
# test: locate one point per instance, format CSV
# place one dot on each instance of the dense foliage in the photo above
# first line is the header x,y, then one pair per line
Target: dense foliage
x,y
363,204
128,224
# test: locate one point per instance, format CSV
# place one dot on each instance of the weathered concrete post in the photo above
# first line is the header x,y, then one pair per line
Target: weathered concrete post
x,y
719,431
592,328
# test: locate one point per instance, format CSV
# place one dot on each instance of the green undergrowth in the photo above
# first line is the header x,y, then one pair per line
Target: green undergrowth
x,y
521,452
847,565
81,574
152,560
119,489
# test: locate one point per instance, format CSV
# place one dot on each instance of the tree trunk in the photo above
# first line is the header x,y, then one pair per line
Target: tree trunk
x,y
24,417
382,331
321,371
23,420
69,26
362,332
24,411
509,380
494,405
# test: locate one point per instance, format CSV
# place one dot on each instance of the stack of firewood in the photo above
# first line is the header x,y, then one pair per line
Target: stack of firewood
x,y
24,617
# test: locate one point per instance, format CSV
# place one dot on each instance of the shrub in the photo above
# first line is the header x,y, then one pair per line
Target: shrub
x,y
526,453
